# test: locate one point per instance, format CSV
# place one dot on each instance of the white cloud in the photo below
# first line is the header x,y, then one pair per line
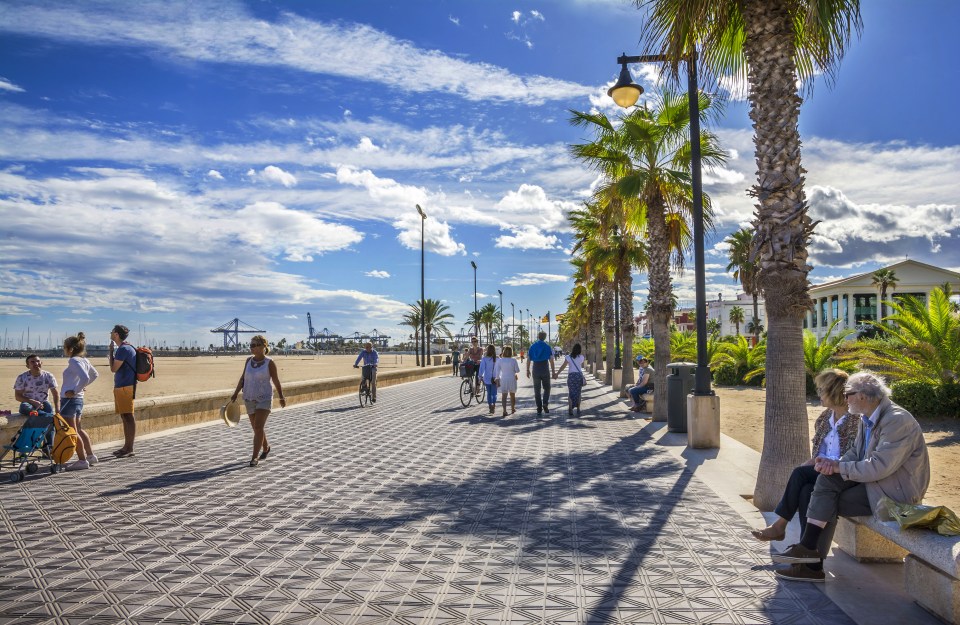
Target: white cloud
x,y
214,33
296,235
6,85
377,273
528,238
366,145
515,17
437,235
290,317
273,174
454,20
214,175
529,205
530,279
537,15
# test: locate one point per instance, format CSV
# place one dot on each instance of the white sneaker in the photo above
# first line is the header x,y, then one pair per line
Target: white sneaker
x,y
92,459
78,465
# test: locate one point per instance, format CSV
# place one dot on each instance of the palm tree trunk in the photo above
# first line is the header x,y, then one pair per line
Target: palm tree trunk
x,y
626,324
596,323
756,320
416,346
661,304
783,229
608,326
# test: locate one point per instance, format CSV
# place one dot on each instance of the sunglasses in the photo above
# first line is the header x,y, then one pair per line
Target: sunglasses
x,y
849,393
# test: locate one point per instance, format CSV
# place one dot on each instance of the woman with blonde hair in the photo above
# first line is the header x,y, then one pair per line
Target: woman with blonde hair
x,y
833,434
258,372
506,372
78,375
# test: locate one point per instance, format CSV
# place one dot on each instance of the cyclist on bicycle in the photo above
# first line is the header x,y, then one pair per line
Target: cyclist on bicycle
x,y
370,359
475,355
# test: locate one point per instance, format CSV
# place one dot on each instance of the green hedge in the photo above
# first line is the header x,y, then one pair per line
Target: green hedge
x,y
927,400
728,375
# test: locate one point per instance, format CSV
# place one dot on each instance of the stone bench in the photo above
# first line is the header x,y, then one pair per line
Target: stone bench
x,y
931,562
648,397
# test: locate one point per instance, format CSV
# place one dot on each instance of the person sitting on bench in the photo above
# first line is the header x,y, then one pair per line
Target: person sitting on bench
x,y
644,384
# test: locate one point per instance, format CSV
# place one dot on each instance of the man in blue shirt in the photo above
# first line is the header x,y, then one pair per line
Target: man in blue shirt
x,y
370,359
541,356
123,364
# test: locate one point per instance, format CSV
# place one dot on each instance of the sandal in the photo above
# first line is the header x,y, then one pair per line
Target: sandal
x,y
254,462
122,453
263,454
767,535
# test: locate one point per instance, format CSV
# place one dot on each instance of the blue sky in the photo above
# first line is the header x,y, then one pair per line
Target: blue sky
x,y
173,165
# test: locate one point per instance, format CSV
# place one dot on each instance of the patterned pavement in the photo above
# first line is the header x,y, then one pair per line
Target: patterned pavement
x,y
415,510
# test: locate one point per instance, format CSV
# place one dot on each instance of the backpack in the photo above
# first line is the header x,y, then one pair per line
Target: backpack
x,y
144,368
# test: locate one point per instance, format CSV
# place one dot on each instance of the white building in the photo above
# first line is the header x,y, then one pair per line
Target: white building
x,y
854,299
720,309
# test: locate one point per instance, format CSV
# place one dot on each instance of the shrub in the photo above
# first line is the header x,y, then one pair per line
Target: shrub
x,y
924,399
726,375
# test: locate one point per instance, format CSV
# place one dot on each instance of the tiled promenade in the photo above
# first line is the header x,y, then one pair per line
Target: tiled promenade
x,y
413,511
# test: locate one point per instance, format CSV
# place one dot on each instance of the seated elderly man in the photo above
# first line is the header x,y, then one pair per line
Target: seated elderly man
x,y
889,457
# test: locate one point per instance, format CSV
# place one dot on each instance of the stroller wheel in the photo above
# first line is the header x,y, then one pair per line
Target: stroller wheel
x,y
17,477
32,468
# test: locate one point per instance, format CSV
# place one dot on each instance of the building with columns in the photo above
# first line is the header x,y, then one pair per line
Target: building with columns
x,y
855,299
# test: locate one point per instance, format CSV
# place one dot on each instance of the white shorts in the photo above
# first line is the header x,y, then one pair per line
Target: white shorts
x,y
254,405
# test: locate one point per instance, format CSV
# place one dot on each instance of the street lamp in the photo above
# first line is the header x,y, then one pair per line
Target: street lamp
x,y
501,317
617,360
423,302
530,329
476,316
513,324
626,93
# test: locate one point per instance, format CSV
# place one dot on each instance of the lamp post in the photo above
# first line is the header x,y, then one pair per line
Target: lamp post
x,y
617,360
501,317
626,93
513,325
423,301
476,317
530,329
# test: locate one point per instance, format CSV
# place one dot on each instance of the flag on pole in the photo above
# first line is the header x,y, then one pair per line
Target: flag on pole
x,y
546,318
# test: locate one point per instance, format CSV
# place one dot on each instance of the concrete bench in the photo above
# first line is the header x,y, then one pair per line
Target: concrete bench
x,y
648,397
931,563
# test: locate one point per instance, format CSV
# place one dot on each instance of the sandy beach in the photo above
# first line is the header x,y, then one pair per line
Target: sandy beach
x,y
741,408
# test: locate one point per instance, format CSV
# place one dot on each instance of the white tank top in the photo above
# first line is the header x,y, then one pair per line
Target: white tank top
x,y
256,381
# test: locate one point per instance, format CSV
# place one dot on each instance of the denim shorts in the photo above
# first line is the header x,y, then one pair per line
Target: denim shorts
x,y
254,405
71,407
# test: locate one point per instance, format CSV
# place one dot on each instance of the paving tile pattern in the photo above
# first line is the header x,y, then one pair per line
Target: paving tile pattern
x,y
414,510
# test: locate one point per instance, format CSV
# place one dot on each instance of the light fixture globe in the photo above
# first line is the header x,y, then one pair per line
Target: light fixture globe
x,y
625,92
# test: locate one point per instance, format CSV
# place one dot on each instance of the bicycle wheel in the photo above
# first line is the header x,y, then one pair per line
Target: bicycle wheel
x,y
364,394
465,392
481,395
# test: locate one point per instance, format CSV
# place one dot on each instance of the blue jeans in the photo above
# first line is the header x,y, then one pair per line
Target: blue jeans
x,y
71,407
637,391
491,393
46,410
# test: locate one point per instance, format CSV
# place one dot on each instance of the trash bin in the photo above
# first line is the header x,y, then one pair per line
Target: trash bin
x,y
680,383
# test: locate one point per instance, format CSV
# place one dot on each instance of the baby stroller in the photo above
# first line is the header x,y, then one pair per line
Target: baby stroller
x,y
32,444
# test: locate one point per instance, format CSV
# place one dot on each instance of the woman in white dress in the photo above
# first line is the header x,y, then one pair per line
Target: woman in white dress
x,y
258,372
506,372
574,378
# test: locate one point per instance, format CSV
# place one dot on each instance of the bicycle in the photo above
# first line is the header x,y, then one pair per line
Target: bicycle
x,y
366,390
468,391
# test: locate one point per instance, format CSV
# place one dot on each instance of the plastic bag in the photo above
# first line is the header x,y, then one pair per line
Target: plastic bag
x,y
941,519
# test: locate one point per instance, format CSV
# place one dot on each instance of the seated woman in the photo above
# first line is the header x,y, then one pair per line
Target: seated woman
x,y
833,434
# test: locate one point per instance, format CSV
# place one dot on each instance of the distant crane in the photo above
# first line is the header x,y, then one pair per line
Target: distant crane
x,y
232,330
316,340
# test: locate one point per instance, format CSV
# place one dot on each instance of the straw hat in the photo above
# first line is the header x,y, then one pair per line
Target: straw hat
x,y
230,413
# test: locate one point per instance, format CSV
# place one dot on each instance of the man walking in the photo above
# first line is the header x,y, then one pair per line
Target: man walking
x,y
540,357
123,364
889,457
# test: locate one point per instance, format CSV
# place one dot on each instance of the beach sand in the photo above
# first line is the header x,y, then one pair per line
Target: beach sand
x,y
741,408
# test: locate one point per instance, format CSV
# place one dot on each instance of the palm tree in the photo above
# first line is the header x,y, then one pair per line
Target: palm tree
x,y
745,270
474,321
412,319
746,359
736,317
923,344
645,162
824,353
883,279
713,326
436,319
489,318
771,43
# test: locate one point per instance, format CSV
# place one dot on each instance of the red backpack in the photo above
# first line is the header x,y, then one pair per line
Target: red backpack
x,y
145,369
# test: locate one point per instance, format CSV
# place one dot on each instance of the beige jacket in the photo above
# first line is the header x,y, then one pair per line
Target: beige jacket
x,y
896,463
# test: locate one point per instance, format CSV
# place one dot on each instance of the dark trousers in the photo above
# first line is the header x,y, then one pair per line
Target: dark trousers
x,y
541,384
834,496
796,496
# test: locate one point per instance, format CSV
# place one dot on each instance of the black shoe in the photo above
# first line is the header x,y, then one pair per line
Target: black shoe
x,y
264,453
546,410
801,573
797,554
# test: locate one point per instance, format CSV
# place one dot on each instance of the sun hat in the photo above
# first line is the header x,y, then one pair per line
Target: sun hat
x,y
230,413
